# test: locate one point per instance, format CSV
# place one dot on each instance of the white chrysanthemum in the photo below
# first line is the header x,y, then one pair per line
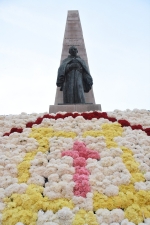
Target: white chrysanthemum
x,y
130,223
2,206
36,179
124,222
111,190
114,223
15,188
143,167
117,215
147,221
147,176
83,203
19,223
50,223
64,214
46,217
103,216
5,181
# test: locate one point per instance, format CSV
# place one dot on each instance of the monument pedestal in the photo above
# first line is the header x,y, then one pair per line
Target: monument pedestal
x,y
74,108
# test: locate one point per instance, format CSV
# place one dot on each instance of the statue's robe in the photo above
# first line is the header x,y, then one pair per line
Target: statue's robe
x,y
75,82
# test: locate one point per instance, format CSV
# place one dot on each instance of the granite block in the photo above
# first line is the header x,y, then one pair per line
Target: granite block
x,y
74,108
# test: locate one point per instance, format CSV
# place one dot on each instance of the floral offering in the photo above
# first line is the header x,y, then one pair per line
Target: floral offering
x,y
88,168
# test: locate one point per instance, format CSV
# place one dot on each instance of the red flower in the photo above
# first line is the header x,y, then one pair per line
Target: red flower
x,y
67,115
29,124
147,130
6,134
124,123
19,130
38,120
59,116
48,116
137,127
87,116
112,119
74,115
84,115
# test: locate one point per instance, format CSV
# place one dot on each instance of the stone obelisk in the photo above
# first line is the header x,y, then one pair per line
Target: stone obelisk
x,y
74,36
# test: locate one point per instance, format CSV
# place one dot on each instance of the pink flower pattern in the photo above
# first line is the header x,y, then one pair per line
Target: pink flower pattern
x,y
80,153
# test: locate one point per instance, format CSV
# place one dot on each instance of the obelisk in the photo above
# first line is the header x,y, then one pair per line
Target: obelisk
x,y
74,36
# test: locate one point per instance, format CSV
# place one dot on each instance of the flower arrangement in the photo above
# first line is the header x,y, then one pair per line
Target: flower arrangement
x,y
87,168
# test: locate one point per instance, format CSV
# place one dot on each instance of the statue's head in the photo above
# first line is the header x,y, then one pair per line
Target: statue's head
x,y
73,51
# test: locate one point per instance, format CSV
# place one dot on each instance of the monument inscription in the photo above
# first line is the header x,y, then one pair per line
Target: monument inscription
x,y
76,42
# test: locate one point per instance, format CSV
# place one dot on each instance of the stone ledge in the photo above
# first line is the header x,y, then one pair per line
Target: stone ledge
x,y
74,108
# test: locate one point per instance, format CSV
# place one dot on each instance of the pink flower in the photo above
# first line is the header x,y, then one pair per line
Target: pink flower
x,y
77,193
82,170
93,154
80,161
79,178
83,194
79,146
80,154
84,152
73,154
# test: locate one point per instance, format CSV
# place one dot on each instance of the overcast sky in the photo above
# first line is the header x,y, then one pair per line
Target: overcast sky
x,y
117,40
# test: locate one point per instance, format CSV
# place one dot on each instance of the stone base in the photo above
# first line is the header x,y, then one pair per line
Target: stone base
x,y
74,108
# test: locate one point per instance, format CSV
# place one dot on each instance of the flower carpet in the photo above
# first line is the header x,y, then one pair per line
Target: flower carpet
x,y
87,168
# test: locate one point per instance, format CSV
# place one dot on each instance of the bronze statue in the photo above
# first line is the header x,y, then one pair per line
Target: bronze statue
x,y
74,78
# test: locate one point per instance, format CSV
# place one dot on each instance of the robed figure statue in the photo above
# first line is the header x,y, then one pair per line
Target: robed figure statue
x,y
74,78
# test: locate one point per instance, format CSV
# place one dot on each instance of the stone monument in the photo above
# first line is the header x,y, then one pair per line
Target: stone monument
x,y
74,37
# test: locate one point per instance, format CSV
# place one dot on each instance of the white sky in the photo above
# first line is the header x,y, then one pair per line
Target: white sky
x,y
117,39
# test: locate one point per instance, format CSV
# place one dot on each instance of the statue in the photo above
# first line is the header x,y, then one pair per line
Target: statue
x,y
74,78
